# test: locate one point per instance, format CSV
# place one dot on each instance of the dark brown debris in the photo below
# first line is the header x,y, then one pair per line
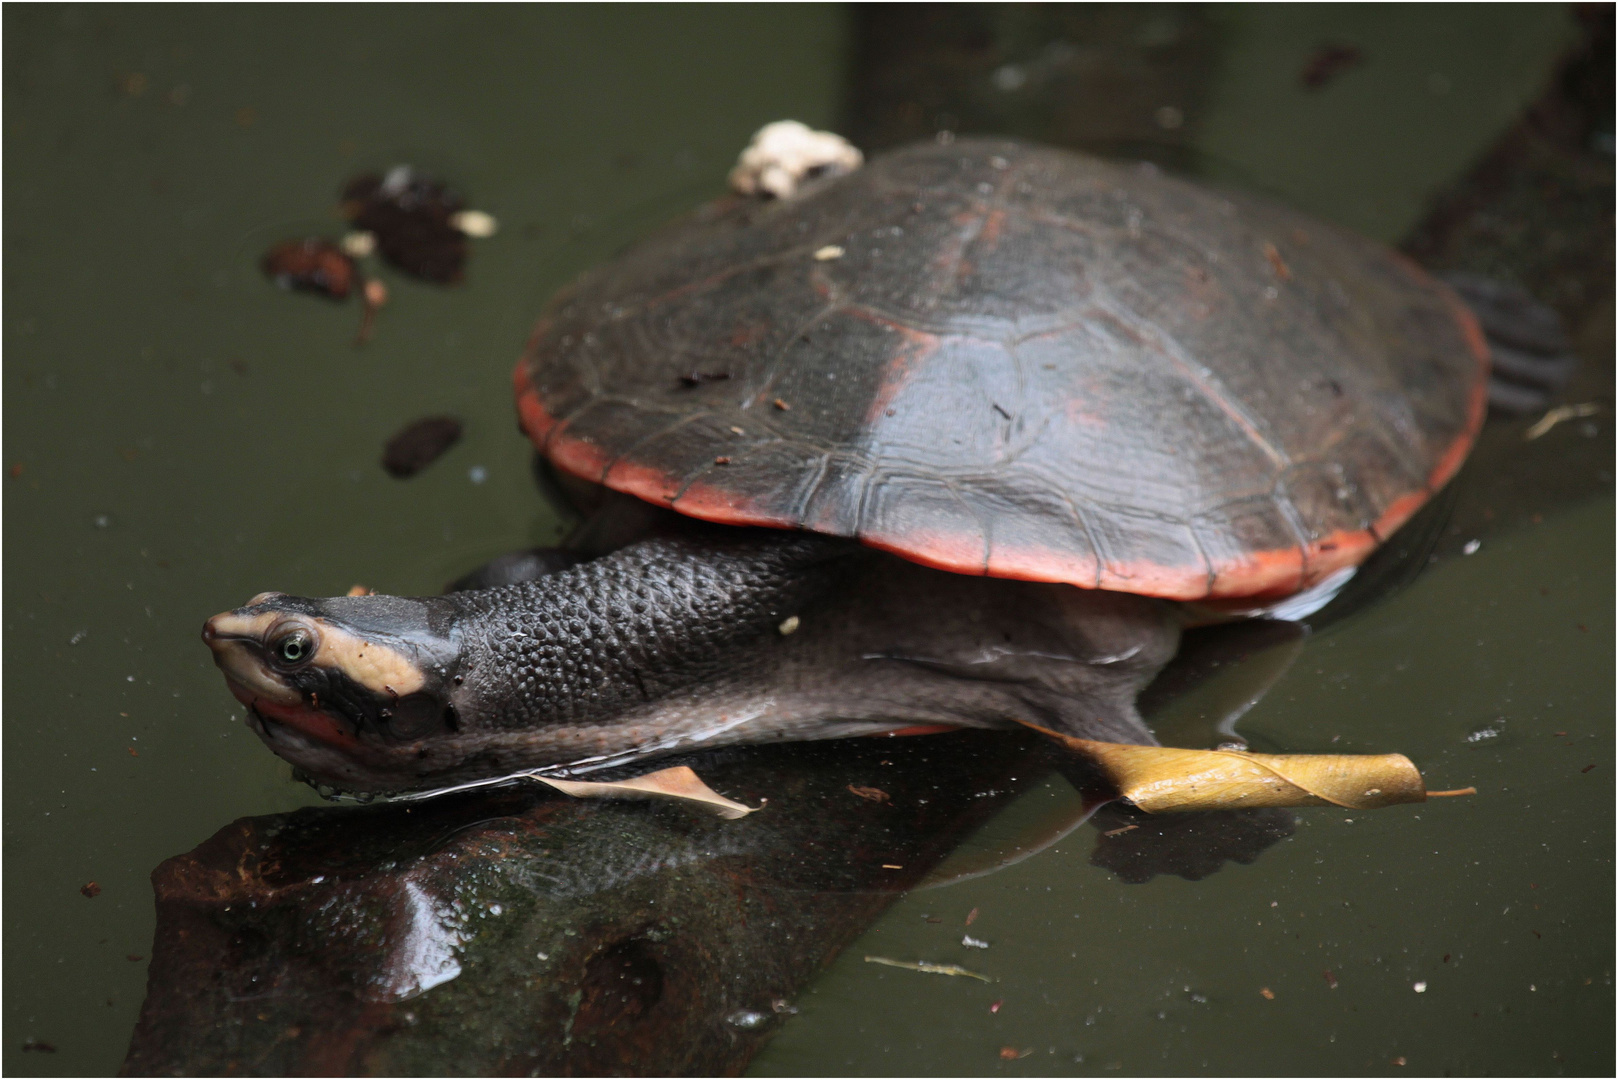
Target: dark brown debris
x,y
1328,62
90,890
420,444
37,1046
311,265
871,794
697,378
410,217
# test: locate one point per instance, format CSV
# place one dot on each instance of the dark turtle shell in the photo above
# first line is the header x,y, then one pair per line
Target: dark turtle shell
x,y
1003,359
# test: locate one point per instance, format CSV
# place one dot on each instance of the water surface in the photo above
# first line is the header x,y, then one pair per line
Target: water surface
x,y
187,436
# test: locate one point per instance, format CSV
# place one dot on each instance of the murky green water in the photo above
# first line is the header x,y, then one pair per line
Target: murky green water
x,y
188,436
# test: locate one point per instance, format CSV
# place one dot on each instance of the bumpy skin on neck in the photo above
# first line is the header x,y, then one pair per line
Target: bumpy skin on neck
x,y
677,642
583,648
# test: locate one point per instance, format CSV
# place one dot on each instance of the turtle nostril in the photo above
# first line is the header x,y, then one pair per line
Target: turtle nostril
x,y
211,634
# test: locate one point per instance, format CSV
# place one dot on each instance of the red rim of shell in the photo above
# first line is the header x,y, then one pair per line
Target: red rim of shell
x,y
1259,576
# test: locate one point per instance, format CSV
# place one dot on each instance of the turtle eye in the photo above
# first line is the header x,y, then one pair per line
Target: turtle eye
x,y
294,648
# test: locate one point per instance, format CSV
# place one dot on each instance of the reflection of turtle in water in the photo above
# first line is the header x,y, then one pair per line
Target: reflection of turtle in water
x,y
849,454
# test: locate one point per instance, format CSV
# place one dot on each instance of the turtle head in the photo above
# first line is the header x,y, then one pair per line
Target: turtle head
x,y
347,688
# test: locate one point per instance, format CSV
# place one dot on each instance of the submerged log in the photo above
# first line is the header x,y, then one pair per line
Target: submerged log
x,y
522,932
517,931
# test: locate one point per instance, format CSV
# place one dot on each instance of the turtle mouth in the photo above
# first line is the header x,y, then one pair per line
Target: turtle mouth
x,y
269,698
315,724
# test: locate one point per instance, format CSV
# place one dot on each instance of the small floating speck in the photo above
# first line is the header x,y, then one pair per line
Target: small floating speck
x,y
828,253
358,244
477,474
1471,547
474,223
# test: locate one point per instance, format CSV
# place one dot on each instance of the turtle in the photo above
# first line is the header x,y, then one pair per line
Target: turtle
x,y
965,437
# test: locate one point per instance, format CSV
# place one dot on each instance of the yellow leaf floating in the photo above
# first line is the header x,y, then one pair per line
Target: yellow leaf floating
x,y
1162,778
679,784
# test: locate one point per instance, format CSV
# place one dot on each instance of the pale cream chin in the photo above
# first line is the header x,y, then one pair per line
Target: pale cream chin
x,y
243,669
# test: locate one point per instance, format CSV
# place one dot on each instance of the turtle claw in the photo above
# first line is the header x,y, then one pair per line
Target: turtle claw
x,y
1523,382
1528,344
